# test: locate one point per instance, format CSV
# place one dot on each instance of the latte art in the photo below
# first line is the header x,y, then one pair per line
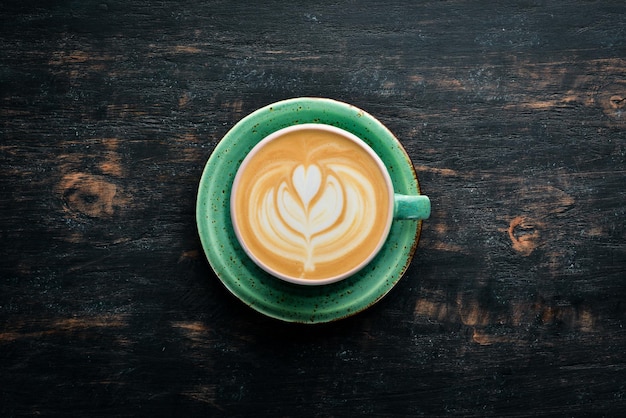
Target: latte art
x,y
311,204
313,219
296,212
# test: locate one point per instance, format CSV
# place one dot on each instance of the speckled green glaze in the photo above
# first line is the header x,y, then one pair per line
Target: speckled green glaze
x,y
256,288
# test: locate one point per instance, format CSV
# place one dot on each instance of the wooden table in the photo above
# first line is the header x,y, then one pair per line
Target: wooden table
x,y
513,113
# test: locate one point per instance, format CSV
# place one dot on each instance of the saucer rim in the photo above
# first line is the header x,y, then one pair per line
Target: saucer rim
x,y
253,286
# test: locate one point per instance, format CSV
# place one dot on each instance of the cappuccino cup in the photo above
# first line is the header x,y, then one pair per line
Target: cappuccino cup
x,y
313,204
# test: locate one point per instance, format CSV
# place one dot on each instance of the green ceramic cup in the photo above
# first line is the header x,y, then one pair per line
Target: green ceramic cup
x,y
299,214
280,299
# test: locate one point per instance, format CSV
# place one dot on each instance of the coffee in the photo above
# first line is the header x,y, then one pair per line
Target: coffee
x,y
312,202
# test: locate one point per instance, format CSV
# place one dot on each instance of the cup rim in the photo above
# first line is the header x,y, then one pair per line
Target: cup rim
x,y
348,135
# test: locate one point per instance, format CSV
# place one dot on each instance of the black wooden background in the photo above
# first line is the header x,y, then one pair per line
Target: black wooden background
x,y
514,114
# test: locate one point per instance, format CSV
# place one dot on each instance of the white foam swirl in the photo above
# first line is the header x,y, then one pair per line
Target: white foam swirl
x,y
313,217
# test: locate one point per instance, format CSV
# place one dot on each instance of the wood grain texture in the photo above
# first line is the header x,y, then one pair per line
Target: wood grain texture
x,y
514,114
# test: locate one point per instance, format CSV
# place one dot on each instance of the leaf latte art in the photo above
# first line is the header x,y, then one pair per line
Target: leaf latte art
x,y
317,216
311,204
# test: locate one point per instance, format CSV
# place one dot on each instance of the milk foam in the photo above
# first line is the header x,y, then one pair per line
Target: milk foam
x,y
305,211
312,217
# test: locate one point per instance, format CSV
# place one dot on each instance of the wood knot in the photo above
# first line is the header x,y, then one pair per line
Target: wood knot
x,y
88,194
612,100
523,235
617,101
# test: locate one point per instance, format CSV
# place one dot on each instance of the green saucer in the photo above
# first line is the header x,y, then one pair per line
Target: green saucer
x,y
265,293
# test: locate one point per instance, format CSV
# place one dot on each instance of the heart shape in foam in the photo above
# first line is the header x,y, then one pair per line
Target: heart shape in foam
x,y
307,182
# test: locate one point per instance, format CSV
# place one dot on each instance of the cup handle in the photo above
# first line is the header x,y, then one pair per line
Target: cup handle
x,y
411,206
